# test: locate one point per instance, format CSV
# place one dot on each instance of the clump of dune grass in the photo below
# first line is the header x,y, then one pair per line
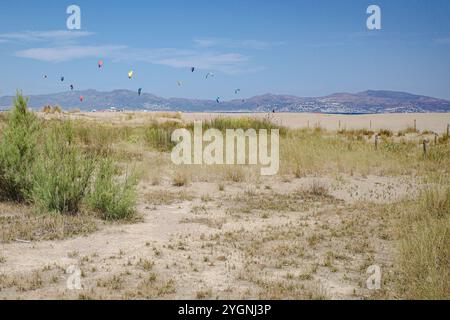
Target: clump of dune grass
x,y
318,189
180,179
385,133
113,196
356,133
159,136
408,130
235,174
169,115
423,227
244,123
18,151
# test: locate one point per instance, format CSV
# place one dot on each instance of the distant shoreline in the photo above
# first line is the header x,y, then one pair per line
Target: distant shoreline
x,y
253,112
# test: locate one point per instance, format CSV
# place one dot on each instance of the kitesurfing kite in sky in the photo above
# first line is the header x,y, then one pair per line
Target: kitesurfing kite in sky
x,y
100,65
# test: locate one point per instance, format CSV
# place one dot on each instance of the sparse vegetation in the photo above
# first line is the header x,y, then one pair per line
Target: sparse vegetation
x,y
349,206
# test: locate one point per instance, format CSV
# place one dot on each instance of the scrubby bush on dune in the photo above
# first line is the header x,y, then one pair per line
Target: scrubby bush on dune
x,y
113,196
66,177
56,109
18,150
58,176
47,109
62,172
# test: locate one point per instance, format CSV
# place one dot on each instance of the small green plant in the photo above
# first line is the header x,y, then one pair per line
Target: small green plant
x,y
115,198
18,150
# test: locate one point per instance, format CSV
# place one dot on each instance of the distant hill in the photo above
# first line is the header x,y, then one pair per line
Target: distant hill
x,y
370,101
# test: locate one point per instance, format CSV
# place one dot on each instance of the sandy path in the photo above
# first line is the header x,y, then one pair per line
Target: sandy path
x,y
190,244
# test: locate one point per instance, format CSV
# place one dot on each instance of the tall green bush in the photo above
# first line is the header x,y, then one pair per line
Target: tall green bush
x,y
62,172
18,150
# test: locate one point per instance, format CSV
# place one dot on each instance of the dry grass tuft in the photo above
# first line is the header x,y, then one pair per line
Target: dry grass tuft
x,y
180,179
423,227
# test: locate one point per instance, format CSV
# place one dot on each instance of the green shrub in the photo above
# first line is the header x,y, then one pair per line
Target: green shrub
x,y
244,123
18,150
115,198
62,172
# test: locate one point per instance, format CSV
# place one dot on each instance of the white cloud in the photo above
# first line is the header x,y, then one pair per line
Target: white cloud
x,y
67,53
230,43
230,63
226,62
202,56
442,41
41,36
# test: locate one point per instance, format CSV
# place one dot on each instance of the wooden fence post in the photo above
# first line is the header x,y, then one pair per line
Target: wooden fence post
x,y
435,138
425,147
376,141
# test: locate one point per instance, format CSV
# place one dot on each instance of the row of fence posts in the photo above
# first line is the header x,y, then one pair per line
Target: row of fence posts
x,y
425,143
370,127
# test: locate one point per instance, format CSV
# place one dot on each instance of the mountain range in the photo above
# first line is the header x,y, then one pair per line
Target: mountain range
x,y
371,101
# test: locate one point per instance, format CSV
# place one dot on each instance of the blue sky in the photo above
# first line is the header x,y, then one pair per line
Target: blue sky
x,y
304,48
